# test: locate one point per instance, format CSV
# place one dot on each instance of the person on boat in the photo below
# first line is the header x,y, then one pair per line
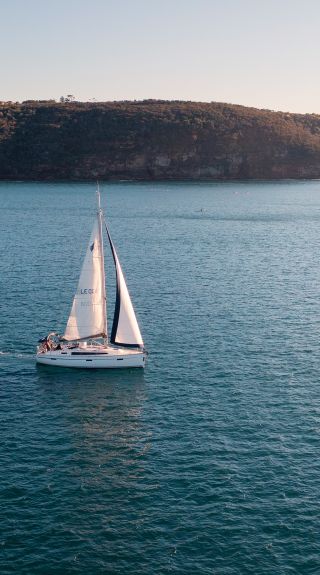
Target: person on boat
x,y
43,344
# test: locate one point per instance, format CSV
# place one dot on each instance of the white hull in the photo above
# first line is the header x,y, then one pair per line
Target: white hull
x,y
93,357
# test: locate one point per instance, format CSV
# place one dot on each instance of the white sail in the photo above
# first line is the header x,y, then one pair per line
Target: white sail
x,y
88,313
125,329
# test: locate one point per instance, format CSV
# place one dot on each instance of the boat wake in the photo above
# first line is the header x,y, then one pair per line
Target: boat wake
x,y
16,354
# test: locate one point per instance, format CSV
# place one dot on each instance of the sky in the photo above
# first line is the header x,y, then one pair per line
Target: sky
x,y
261,53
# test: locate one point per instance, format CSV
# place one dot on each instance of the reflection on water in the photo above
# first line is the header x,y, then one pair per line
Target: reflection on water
x,y
101,415
92,377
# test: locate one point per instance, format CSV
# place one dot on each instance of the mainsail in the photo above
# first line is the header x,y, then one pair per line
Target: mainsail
x,y
125,330
88,313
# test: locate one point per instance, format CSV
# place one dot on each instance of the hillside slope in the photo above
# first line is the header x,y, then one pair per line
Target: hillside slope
x,y
155,140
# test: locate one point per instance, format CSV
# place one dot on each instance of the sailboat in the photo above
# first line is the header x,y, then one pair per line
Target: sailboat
x,y
85,342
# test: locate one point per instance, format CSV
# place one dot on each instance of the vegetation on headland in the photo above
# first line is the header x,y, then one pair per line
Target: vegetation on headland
x,y
154,140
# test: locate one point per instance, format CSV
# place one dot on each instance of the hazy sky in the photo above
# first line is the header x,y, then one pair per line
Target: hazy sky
x,y
262,53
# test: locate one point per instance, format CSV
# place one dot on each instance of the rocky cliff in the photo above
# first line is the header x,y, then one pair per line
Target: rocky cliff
x,y
155,140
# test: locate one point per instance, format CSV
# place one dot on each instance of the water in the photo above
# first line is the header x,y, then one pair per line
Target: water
x,y
207,462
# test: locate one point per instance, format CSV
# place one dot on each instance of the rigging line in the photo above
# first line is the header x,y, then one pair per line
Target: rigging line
x,y
118,296
103,276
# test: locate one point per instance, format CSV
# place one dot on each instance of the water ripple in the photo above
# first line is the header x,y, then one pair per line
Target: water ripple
x,y
208,461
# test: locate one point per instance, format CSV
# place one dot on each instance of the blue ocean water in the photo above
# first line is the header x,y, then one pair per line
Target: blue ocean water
x,y
207,462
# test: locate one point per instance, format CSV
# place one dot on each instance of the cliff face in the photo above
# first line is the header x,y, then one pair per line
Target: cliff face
x,y
155,140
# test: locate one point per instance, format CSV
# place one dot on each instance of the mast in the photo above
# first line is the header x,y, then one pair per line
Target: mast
x,y
103,275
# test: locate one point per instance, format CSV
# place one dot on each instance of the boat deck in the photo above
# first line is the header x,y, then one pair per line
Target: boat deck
x,y
94,350
99,350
